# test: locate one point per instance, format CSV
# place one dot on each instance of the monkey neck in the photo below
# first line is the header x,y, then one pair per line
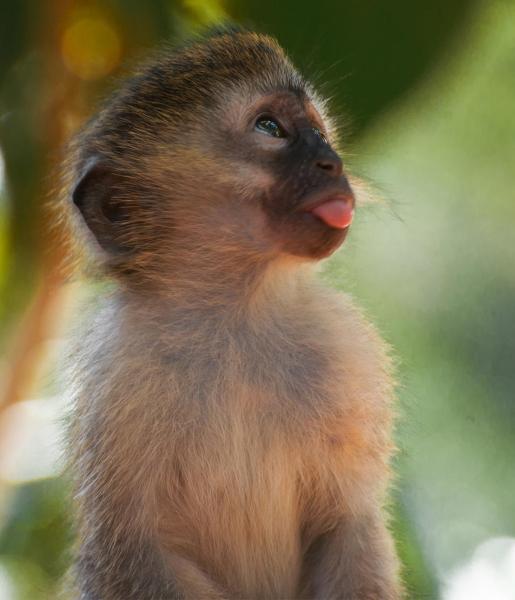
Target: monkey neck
x,y
230,291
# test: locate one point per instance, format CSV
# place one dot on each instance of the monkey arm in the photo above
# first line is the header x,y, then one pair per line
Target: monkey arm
x,y
354,561
120,555
135,571
109,569
191,578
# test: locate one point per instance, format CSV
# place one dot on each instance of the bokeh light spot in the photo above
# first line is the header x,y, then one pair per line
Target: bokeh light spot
x,y
91,47
7,591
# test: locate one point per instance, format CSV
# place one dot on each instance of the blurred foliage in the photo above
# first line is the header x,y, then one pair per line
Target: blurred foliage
x,y
371,53
429,91
36,537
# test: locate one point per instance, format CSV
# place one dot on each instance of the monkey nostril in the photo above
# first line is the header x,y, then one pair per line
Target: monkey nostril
x,y
332,166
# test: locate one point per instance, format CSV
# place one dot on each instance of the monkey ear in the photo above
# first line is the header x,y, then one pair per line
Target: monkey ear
x,y
95,195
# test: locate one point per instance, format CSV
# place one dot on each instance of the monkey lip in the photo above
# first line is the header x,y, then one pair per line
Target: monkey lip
x,y
336,211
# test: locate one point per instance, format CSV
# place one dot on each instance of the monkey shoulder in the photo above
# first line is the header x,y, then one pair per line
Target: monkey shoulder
x,y
345,351
364,355
351,429
360,362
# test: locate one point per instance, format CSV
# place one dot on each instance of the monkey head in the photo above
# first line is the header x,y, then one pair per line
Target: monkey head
x,y
216,151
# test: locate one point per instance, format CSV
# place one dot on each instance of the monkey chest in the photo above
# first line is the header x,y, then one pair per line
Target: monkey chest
x,y
254,448
236,509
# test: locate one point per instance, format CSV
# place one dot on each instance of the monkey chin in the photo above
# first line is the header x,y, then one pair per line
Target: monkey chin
x,y
311,239
326,250
332,242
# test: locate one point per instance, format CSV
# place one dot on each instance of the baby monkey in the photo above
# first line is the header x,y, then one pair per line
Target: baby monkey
x,y
231,429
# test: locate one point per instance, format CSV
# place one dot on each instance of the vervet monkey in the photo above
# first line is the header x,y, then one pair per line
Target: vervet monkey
x,y
232,415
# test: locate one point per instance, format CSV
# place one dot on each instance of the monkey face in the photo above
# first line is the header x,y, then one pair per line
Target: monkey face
x,y
297,176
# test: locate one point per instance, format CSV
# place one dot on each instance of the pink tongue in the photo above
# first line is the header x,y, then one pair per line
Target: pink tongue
x,y
335,213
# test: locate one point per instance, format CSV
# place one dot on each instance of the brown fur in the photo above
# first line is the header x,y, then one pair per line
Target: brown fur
x,y
231,431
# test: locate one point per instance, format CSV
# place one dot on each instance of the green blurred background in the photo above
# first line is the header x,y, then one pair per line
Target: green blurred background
x,y
427,91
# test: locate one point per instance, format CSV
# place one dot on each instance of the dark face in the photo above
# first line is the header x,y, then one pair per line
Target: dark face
x,y
240,165
305,197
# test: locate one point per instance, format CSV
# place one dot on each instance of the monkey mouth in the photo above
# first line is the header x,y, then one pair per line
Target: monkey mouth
x,y
336,210
317,223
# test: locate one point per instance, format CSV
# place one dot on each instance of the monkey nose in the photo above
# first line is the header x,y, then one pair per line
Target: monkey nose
x,y
331,164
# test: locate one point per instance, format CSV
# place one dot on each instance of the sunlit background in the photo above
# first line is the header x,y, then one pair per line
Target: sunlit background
x,y
428,94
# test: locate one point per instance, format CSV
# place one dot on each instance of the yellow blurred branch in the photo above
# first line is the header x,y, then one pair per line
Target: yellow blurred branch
x,y
59,91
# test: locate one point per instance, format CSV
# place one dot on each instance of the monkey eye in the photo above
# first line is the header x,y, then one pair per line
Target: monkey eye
x,y
318,133
269,126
